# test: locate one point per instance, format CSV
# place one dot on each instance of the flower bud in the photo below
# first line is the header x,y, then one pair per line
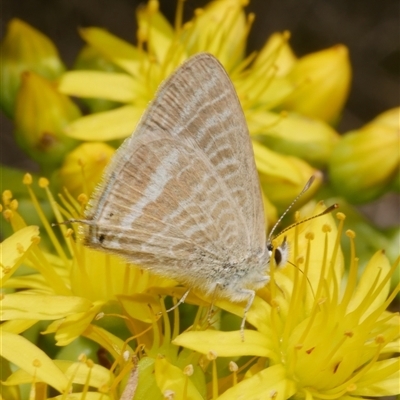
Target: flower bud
x,y
24,49
282,177
83,167
41,113
292,134
322,82
220,28
277,51
365,163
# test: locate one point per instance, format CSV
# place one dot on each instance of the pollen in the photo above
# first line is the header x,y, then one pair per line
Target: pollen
x,y
83,199
198,12
43,182
8,214
7,196
153,6
27,179
89,363
69,233
36,363
340,216
14,205
169,394
35,239
310,235
233,367
352,387
326,228
20,248
379,339
188,370
212,355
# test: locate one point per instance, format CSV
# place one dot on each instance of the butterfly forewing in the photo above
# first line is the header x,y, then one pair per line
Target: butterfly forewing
x,y
183,188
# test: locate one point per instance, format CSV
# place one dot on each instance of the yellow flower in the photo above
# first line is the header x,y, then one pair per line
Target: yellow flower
x,y
315,338
25,49
366,163
80,293
261,83
82,169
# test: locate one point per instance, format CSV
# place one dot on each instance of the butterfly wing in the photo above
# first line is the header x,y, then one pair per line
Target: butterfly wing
x,y
184,186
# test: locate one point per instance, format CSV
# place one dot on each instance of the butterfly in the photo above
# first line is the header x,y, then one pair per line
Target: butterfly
x,y
181,196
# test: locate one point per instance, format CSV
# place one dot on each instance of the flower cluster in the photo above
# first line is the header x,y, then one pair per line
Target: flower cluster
x,y
316,335
82,323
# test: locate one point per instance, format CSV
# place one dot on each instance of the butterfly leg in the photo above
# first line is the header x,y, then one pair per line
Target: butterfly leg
x,y
181,300
251,294
211,309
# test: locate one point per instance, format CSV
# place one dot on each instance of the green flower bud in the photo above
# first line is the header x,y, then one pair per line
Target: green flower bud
x,y
41,114
25,49
292,134
365,163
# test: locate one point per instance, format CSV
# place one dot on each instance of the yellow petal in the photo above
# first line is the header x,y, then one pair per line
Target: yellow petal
x,y
171,378
383,379
76,372
84,395
113,344
141,306
221,29
14,249
225,344
323,80
115,49
42,307
34,361
277,51
158,33
18,325
74,325
104,85
283,177
270,383
108,125
374,273
258,315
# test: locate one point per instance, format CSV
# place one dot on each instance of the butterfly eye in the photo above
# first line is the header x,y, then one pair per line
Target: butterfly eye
x,y
278,256
281,253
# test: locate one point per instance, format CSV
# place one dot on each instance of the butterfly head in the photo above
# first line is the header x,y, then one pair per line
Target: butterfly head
x,y
280,253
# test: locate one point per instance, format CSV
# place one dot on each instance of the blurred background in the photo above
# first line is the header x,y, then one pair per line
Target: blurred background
x,y
369,28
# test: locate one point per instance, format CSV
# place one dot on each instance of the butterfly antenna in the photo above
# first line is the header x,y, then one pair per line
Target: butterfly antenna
x,y
305,188
326,211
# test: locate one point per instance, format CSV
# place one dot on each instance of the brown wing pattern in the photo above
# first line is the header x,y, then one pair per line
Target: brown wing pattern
x,y
184,186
